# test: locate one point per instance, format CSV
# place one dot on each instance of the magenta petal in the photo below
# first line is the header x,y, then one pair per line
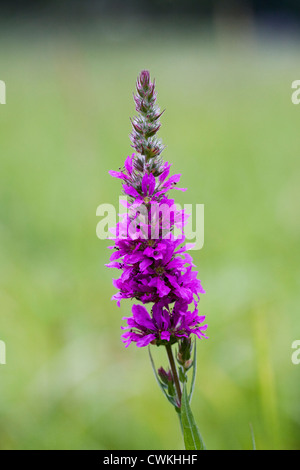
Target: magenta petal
x,y
201,319
199,333
157,315
201,290
145,263
148,251
118,174
142,317
145,340
145,184
162,288
172,180
152,183
165,173
115,255
128,164
113,264
130,191
165,335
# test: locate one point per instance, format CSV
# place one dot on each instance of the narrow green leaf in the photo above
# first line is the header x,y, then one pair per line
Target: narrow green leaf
x,y
178,411
161,386
194,372
182,375
253,437
191,434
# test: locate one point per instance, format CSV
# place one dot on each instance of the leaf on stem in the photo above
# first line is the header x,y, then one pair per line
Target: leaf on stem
x,y
191,435
194,372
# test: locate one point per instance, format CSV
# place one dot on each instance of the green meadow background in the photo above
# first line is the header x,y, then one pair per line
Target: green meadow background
x,y
232,131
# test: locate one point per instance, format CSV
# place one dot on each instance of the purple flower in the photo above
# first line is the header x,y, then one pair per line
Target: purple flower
x,y
166,324
154,263
155,270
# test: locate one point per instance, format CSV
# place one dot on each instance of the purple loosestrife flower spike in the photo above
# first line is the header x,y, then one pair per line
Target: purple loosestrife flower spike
x,y
155,268
150,253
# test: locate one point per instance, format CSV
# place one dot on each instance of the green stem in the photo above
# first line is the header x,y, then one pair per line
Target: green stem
x,y
174,372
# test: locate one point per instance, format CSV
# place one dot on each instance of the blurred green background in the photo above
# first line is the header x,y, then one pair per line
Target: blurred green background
x,y
232,131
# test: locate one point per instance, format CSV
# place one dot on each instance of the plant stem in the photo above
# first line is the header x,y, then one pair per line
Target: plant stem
x,y
174,372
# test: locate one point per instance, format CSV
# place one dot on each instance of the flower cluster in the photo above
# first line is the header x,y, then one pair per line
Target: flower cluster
x,y
149,241
166,324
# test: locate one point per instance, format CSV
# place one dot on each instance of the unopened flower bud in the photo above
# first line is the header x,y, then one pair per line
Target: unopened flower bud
x,y
165,376
146,124
144,78
188,364
184,352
